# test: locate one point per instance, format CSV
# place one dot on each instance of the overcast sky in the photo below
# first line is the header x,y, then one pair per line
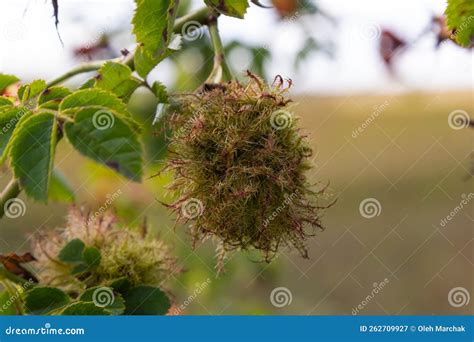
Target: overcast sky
x,y
29,46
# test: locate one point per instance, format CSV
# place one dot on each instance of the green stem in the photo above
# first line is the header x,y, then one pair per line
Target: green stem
x,y
202,16
220,70
12,190
93,66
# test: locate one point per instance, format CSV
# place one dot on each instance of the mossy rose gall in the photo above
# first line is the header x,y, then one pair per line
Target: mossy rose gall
x,y
238,155
124,253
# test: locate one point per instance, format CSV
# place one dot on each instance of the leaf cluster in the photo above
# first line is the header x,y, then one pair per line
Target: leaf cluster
x,y
80,273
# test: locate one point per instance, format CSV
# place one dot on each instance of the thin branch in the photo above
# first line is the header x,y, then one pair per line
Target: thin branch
x,y
220,70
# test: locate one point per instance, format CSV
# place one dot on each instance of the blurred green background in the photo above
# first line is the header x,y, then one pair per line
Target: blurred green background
x,y
408,158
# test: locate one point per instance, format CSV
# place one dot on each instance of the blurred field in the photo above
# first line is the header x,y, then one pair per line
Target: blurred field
x,y
408,158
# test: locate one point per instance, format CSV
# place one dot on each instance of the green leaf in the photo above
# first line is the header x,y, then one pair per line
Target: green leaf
x,y
9,118
50,98
117,78
88,84
91,257
233,8
7,275
160,92
92,97
41,300
32,154
104,297
4,101
23,114
460,19
6,81
97,97
121,285
146,300
84,258
114,144
72,252
144,64
84,309
7,307
153,25
30,91
60,190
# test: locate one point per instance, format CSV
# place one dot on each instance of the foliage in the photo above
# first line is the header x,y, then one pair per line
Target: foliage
x,y
234,8
81,273
460,19
83,247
